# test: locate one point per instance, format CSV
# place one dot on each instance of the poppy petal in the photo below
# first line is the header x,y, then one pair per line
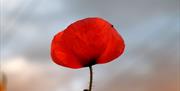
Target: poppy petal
x,y
87,42
115,47
60,56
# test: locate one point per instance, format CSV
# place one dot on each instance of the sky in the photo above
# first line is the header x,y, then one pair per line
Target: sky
x,y
150,29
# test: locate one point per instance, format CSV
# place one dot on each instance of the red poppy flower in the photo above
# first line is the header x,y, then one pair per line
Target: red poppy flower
x,y
87,42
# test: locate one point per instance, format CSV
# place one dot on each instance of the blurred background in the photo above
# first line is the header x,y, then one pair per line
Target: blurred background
x,y
150,29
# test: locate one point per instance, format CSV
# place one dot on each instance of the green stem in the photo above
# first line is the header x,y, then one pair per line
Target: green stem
x,y
91,78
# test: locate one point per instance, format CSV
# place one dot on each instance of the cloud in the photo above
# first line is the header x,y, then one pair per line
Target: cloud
x,y
148,27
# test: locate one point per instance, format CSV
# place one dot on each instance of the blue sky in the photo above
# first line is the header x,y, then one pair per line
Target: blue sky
x,y
150,29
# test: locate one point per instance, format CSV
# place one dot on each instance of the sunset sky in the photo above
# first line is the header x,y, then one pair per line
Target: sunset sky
x,y
150,29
